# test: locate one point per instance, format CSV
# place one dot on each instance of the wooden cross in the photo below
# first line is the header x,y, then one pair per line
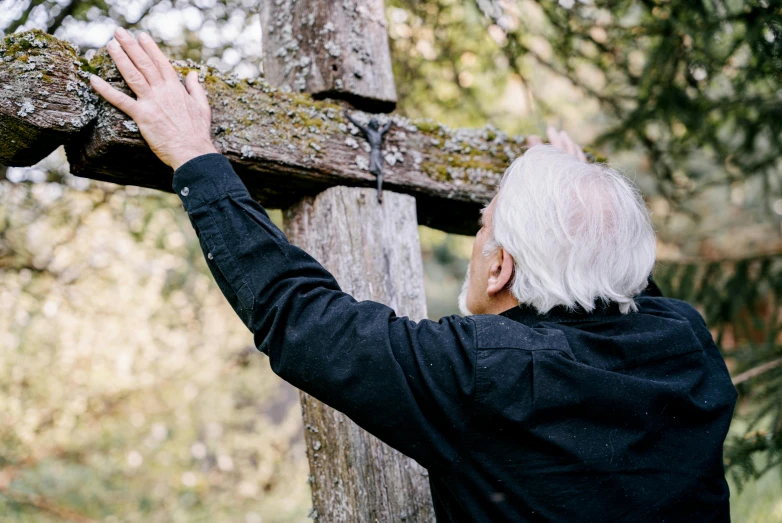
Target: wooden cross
x,y
290,143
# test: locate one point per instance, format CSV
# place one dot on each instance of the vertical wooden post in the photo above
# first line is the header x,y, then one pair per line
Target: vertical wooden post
x,y
329,48
340,50
374,253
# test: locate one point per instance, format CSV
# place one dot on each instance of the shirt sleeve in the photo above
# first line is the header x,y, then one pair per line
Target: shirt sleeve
x,y
408,383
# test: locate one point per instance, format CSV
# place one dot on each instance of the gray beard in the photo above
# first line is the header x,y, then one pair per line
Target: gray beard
x,y
463,294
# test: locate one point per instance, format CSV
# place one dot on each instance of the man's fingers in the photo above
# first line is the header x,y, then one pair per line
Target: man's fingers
x,y
160,60
139,56
568,144
562,140
132,76
120,100
581,155
196,91
573,147
554,138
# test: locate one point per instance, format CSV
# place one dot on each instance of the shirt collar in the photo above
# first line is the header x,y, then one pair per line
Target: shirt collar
x,y
529,315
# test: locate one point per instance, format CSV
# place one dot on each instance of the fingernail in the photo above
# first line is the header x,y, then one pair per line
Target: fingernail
x,y
113,45
144,36
122,32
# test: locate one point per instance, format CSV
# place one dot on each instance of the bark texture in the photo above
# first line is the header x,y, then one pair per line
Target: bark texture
x,y
283,145
44,101
373,252
330,49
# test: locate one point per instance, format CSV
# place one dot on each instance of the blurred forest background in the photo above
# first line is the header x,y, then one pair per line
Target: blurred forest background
x,y
130,391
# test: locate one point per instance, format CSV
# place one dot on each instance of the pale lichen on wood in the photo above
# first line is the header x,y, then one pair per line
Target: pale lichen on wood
x,y
44,99
335,49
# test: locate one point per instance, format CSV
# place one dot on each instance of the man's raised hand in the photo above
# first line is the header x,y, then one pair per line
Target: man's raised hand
x,y
560,140
173,119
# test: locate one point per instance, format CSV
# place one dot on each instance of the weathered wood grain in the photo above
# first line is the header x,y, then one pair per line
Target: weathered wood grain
x,y
284,146
330,49
44,101
372,250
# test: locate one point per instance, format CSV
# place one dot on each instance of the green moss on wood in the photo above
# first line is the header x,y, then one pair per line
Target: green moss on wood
x,y
311,122
100,64
428,126
86,66
467,162
33,42
436,171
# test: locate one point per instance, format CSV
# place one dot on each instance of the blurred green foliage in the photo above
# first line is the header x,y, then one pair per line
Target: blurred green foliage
x,y
693,85
129,389
740,300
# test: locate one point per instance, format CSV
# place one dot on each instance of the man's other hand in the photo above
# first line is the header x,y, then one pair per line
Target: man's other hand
x,y
560,140
173,119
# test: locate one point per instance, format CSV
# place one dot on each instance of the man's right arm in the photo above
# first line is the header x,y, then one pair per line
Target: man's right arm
x,y
408,383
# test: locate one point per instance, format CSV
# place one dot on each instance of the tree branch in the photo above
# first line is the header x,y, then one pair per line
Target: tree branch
x,y
757,371
46,505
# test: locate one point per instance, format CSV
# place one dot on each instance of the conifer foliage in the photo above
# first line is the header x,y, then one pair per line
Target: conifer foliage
x,y
740,300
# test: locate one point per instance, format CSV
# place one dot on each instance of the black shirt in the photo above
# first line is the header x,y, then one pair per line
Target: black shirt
x,y
570,416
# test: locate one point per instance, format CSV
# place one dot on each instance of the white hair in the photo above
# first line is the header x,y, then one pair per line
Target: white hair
x,y
577,232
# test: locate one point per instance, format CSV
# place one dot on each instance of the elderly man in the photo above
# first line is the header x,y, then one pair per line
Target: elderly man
x,y
573,391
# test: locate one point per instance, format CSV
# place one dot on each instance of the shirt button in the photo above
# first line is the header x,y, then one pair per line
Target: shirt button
x,y
210,256
185,191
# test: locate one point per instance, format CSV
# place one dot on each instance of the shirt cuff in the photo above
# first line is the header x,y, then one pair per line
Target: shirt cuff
x,y
204,179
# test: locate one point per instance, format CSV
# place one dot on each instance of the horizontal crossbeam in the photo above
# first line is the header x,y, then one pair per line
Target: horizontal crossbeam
x,y
284,146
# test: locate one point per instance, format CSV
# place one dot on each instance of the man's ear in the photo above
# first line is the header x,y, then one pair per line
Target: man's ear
x,y
501,272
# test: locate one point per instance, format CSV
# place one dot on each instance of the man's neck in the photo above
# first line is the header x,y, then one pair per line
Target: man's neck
x,y
502,302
